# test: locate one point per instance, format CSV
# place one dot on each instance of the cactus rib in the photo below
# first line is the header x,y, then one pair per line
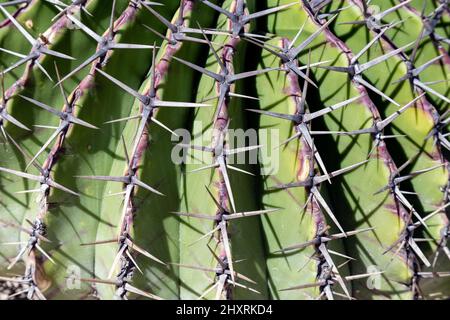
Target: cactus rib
x,y
224,149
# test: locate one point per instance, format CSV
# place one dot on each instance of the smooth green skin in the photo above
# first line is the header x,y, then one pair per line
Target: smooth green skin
x,y
428,185
291,224
94,217
14,205
442,27
104,103
348,194
76,221
11,39
246,238
409,32
418,5
39,88
155,228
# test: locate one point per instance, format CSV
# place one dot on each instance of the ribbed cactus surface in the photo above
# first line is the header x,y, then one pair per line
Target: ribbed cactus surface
x,y
237,149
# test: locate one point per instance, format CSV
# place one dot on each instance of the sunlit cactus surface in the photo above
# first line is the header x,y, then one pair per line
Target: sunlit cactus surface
x,y
224,150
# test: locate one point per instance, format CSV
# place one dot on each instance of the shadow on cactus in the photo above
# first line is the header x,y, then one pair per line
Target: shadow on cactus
x,y
224,150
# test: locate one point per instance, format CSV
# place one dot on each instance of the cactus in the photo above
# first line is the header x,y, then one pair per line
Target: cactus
x,y
236,149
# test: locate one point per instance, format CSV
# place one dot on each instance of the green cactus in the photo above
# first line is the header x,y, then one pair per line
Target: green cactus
x,y
234,149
